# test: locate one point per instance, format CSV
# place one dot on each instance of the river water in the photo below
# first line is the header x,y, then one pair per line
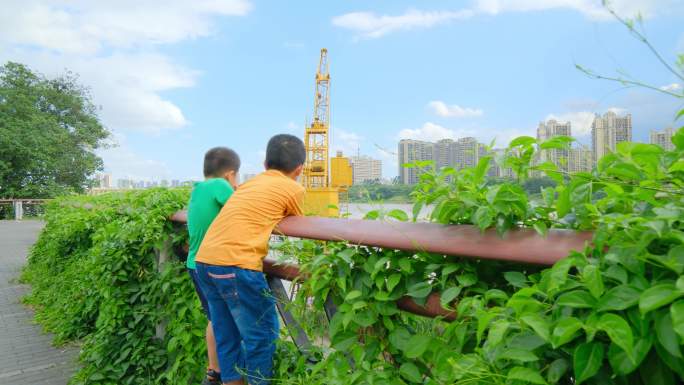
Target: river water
x,y
358,210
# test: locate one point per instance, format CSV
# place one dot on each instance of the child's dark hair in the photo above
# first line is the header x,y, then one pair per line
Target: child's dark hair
x,y
219,160
285,153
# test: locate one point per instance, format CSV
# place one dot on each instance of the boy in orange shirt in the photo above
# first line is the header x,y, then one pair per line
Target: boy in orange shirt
x,y
229,263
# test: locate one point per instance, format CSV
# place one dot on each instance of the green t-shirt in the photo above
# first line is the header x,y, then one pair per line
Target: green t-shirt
x,y
206,200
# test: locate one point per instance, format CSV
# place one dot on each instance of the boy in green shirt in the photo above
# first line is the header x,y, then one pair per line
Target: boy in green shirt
x,y
221,166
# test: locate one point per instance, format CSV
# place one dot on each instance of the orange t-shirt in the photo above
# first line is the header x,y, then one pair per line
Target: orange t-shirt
x,y
239,235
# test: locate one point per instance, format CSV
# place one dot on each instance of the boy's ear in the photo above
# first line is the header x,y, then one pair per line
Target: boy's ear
x,y
232,177
298,171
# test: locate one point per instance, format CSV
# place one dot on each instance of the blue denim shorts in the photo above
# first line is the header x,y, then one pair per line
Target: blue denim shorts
x,y
244,319
200,294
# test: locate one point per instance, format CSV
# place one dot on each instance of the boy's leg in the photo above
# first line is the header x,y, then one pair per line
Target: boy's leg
x,y
219,287
211,348
257,321
212,357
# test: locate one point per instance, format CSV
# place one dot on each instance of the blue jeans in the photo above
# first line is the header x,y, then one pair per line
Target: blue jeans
x,y
243,312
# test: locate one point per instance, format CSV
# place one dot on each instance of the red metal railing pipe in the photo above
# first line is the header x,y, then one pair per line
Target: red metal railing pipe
x,y
519,245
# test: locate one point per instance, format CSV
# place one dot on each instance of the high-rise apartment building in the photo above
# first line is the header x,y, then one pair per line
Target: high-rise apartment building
x,y
365,169
467,152
663,138
410,151
580,159
609,130
557,156
443,150
103,181
461,153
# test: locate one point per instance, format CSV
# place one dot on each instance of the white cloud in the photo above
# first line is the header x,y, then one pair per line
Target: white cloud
x,y
346,141
580,121
453,111
674,87
122,162
371,25
618,110
430,132
85,26
126,86
111,45
591,9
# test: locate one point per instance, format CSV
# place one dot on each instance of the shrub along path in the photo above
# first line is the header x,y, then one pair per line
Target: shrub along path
x,y
26,353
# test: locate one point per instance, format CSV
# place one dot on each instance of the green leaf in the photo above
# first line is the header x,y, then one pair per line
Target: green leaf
x,y
657,296
497,332
556,370
467,279
398,214
410,372
393,281
347,254
522,141
565,331
353,295
618,330
591,275
587,360
417,345
538,323
617,273
559,273
579,299
526,375
419,290
515,278
677,314
483,321
540,228
622,363
405,265
666,334
399,338
449,294
481,169
618,298
450,268
521,355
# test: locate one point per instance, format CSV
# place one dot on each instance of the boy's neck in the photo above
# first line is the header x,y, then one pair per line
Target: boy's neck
x,y
292,175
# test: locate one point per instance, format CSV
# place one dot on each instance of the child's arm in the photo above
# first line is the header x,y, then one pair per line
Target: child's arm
x,y
294,205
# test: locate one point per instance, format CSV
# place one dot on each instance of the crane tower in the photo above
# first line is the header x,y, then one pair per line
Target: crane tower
x,y
316,168
324,180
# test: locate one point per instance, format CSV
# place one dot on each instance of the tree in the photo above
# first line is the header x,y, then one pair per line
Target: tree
x,y
49,131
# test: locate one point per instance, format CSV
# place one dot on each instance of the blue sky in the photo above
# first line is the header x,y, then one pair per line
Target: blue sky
x,y
175,78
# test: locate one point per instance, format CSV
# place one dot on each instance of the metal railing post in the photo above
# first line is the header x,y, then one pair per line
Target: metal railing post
x,y
18,210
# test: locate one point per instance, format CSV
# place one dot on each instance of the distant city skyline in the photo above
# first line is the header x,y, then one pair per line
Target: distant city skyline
x,y
608,130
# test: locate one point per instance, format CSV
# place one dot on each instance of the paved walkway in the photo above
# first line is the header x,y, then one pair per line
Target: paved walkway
x,y
26,353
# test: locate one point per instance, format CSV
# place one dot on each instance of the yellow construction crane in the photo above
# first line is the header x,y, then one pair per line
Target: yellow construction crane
x,y
316,135
322,193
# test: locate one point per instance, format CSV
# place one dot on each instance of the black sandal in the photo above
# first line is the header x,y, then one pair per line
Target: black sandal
x,y
213,378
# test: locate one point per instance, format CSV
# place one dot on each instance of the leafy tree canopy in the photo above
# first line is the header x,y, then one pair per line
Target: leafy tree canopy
x,y
49,131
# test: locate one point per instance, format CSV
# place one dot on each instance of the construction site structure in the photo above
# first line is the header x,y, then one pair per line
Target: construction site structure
x,y
322,193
